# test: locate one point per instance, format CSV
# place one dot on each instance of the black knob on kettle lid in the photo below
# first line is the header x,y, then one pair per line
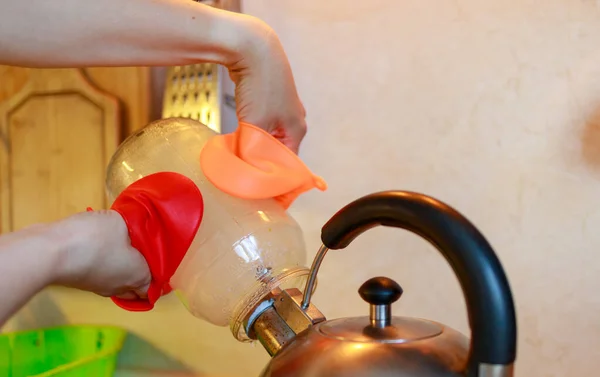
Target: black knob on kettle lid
x,y
380,291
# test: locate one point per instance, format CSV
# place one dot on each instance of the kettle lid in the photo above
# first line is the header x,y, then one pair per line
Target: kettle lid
x,y
375,345
401,330
380,326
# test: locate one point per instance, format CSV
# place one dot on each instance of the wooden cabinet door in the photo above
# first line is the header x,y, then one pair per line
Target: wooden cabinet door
x,y
134,88
58,133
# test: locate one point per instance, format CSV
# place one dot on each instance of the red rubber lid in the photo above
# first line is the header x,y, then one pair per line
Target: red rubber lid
x,y
163,212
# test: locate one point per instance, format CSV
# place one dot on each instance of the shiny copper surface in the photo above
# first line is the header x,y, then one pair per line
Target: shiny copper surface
x,y
423,349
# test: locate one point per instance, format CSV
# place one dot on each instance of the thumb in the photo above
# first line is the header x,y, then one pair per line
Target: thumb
x,y
134,294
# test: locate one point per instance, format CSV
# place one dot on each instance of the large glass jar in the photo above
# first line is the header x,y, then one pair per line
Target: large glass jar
x,y
243,248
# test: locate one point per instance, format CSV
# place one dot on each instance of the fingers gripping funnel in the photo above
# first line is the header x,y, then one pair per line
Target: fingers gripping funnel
x,y
251,164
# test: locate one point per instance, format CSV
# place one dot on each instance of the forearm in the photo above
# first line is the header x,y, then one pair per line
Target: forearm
x,y
74,33
90,251
29,260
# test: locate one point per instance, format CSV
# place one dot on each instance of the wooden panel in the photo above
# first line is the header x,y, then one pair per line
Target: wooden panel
x,y
131,85
58,135
12,79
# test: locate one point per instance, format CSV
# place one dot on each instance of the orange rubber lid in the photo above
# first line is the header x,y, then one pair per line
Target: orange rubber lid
x,y
251,164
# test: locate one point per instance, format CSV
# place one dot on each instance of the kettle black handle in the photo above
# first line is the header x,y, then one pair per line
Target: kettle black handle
x,y
485,286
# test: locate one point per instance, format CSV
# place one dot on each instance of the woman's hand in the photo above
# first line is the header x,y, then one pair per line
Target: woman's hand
x,y
88,33
265,92
97,256
89,251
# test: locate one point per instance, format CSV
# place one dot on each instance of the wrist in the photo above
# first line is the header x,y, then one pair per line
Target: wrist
x,y
235,38
74,238
64,250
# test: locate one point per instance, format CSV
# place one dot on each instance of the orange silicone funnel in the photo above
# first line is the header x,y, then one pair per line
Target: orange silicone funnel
x,y
251,164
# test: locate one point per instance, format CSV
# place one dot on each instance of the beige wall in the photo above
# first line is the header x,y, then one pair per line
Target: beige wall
x,y
492,106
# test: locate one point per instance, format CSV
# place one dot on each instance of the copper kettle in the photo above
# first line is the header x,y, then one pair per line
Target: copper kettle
x,y
304,344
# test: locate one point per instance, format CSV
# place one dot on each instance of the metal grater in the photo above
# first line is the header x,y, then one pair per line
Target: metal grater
x,y
198,91
192,91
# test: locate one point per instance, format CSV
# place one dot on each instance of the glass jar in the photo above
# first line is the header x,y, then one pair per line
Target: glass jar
x,y
243,248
